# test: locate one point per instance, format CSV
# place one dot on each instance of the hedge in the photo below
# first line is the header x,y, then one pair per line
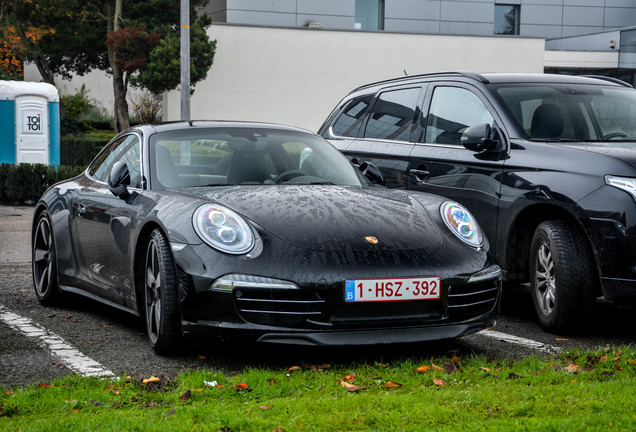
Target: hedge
x,y
25,183
80,149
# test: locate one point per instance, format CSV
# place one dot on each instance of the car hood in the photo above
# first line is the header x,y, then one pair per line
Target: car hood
x,y
332,217
625,151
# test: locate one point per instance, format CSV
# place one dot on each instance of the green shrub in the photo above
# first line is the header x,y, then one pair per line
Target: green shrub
x,y
25,183
80,149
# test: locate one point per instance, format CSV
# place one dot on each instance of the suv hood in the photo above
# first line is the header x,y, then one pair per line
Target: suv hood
x,y
625,151
332,217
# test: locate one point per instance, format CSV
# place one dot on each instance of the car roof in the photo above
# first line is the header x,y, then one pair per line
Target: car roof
x,y
180,125
496,78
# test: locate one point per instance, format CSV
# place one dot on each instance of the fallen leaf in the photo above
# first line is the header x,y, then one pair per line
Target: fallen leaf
x,y
437,368
450,367
240,387
351,387
349,377
152,379
439,382
513,375
201,357
272,381
185,396
572,368
106,325
265,407
556,367
392,384
293,368
561,339
455,359
117,404
423,369
43,385
630,360
278,430
485,368
60,363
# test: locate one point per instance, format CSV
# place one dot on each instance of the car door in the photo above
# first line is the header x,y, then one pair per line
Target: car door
x,y
386,135
440,164
103,222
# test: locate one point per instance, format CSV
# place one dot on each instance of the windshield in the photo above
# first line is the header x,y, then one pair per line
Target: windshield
x,y
250,155
568,112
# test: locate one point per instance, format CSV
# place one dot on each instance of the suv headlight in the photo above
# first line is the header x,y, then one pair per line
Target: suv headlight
x,y
624,183
462,224
223,229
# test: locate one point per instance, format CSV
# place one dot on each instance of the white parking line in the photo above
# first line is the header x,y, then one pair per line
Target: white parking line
x,y
528,343
68,355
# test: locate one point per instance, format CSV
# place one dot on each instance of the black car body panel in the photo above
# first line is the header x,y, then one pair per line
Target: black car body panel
x,y
308,238
529,176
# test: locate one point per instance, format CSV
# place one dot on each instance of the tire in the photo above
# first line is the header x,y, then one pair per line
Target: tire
x,y
562,277
161,299
44,261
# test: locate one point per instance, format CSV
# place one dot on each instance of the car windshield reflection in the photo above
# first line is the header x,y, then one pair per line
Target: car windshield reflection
x,y
246,156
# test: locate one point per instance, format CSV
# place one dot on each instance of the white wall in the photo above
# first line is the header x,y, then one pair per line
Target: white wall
x,y
297,76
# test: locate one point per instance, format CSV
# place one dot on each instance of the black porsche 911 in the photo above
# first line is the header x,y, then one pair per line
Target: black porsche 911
x,y
264,231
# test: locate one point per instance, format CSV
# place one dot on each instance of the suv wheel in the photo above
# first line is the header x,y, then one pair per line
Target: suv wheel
x,y
562,277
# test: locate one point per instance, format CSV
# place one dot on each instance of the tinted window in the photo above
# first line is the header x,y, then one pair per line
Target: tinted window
x,y
127,150
350,120
572,111
452,110
393,115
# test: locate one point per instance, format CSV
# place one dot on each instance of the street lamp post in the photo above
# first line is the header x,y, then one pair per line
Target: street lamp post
x,y
185,59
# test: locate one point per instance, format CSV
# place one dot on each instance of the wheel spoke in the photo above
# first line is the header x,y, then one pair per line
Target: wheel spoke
x,y
40,255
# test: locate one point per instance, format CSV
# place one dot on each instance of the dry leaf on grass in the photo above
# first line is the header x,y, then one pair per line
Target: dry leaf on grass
x,y
439,382
152,379
351,387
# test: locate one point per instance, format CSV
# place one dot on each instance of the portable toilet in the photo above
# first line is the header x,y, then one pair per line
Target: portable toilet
x,y
29,123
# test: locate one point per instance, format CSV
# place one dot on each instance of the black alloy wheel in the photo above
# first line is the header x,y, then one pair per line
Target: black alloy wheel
x,y
44,262
161,298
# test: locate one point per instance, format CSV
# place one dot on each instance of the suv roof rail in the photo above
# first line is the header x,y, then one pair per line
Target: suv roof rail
x,y
465,74
610,79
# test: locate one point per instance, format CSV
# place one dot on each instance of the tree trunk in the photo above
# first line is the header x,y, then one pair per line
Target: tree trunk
x,y
119,83
47,76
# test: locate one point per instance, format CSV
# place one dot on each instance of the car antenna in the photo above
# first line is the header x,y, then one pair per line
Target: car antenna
x,y
405,74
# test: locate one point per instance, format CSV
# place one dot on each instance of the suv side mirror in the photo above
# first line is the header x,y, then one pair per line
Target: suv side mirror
x,y
372,173
479,138
119,180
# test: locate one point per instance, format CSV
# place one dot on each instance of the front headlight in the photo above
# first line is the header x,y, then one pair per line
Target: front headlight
x,y
624,183
462,224
223,229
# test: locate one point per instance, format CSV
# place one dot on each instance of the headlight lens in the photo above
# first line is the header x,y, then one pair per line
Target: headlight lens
x,y
223,229
462,224
624,183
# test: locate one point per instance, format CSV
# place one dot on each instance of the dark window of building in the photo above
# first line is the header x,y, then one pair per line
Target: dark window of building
x,y
393,115
369,15
350,120
626,54
506,19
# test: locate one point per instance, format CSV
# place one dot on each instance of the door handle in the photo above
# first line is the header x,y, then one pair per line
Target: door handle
x,y
420,175
80,209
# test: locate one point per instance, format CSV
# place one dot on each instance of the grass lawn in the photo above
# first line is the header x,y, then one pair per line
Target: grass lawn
x,y
579,390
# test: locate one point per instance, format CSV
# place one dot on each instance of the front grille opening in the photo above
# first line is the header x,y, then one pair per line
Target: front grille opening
x,y
467,301
278,307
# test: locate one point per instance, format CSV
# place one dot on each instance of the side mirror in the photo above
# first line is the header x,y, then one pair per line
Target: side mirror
x,y
372,173
119,180
479,138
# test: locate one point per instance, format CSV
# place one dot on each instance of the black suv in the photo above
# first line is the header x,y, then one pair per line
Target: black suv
x,y
546,163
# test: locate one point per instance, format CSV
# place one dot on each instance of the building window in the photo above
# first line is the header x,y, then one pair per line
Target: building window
x,y
506,19
369,15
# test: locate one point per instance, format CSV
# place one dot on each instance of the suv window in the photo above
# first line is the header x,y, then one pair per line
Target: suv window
x,y
350,120
127,150
452,110
393,115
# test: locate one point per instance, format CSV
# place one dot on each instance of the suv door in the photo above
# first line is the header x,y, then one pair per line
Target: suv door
x,y
440,164
385,138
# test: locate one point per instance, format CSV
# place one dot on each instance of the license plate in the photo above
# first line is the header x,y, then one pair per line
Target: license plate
x,y
376,290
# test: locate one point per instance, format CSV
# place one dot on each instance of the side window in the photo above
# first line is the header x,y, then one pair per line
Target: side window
x,y
350,120
393,115
128,150
452,110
